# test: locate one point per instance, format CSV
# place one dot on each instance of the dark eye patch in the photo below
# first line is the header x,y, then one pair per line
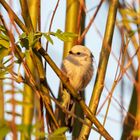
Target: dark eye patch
x,y
78,53
70,52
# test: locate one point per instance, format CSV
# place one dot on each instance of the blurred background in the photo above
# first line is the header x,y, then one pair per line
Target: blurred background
x,y
123,63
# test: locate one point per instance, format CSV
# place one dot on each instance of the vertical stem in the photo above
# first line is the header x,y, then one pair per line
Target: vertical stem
x,y
1,102
78,110
72,10
31,24
104,56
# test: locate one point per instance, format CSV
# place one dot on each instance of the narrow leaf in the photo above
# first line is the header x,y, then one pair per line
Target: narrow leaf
x,y
60,131
48,38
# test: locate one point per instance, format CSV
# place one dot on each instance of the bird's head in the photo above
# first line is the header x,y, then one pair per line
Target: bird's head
x,y
81,53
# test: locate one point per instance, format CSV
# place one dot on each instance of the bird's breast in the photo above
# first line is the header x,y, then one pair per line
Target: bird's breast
x,y
79,75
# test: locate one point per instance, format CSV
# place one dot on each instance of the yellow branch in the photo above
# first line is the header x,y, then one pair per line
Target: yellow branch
x,y
65,81
104,56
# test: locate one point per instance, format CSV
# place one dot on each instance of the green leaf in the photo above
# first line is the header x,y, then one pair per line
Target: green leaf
x,y
23,35
40,134
31,38
60,131
3,73
2,29
34,42
57,137
69,34
58,134
26,129
38,34
23,40
6,38
126,20
59,31
4,43
129,12
37,133
4,129
131,33
4,52
64,36
47,36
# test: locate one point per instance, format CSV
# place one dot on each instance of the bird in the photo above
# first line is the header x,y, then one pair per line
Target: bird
x,y
77,66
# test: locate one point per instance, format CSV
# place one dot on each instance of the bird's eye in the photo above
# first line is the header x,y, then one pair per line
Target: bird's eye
x,y
70,52
78,53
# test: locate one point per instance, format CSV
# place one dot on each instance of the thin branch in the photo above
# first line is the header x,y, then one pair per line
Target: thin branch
x,y
14,16
65,81
51,22
28,72
104,56
90,23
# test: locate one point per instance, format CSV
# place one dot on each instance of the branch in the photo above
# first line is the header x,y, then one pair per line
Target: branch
x,y
65,81
104,56
14,16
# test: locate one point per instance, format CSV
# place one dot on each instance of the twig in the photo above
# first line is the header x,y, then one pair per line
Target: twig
x,y
90,23
65,81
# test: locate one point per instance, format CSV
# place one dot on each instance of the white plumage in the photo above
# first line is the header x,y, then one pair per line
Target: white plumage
x,y
78,67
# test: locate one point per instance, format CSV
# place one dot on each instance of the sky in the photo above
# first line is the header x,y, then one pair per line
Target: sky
x,y
93,41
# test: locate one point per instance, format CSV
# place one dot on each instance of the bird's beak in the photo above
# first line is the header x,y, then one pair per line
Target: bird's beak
x,y
91,55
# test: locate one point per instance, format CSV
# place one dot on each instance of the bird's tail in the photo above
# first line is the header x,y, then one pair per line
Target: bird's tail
x,y
67,102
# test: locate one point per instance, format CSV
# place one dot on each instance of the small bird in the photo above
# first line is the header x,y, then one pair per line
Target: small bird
x,y
78,67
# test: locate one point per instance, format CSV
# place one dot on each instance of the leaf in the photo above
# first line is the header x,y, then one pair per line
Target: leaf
x,y
57,137
59,31
69,34
26,129
131,33
125,20
4,43
37,133
4,52
4,129
129,12
47,36
60,131
23,40
23,35
3,73
65,36
40,134
58,134
6,38
30,38
38,34
2,29
34,42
